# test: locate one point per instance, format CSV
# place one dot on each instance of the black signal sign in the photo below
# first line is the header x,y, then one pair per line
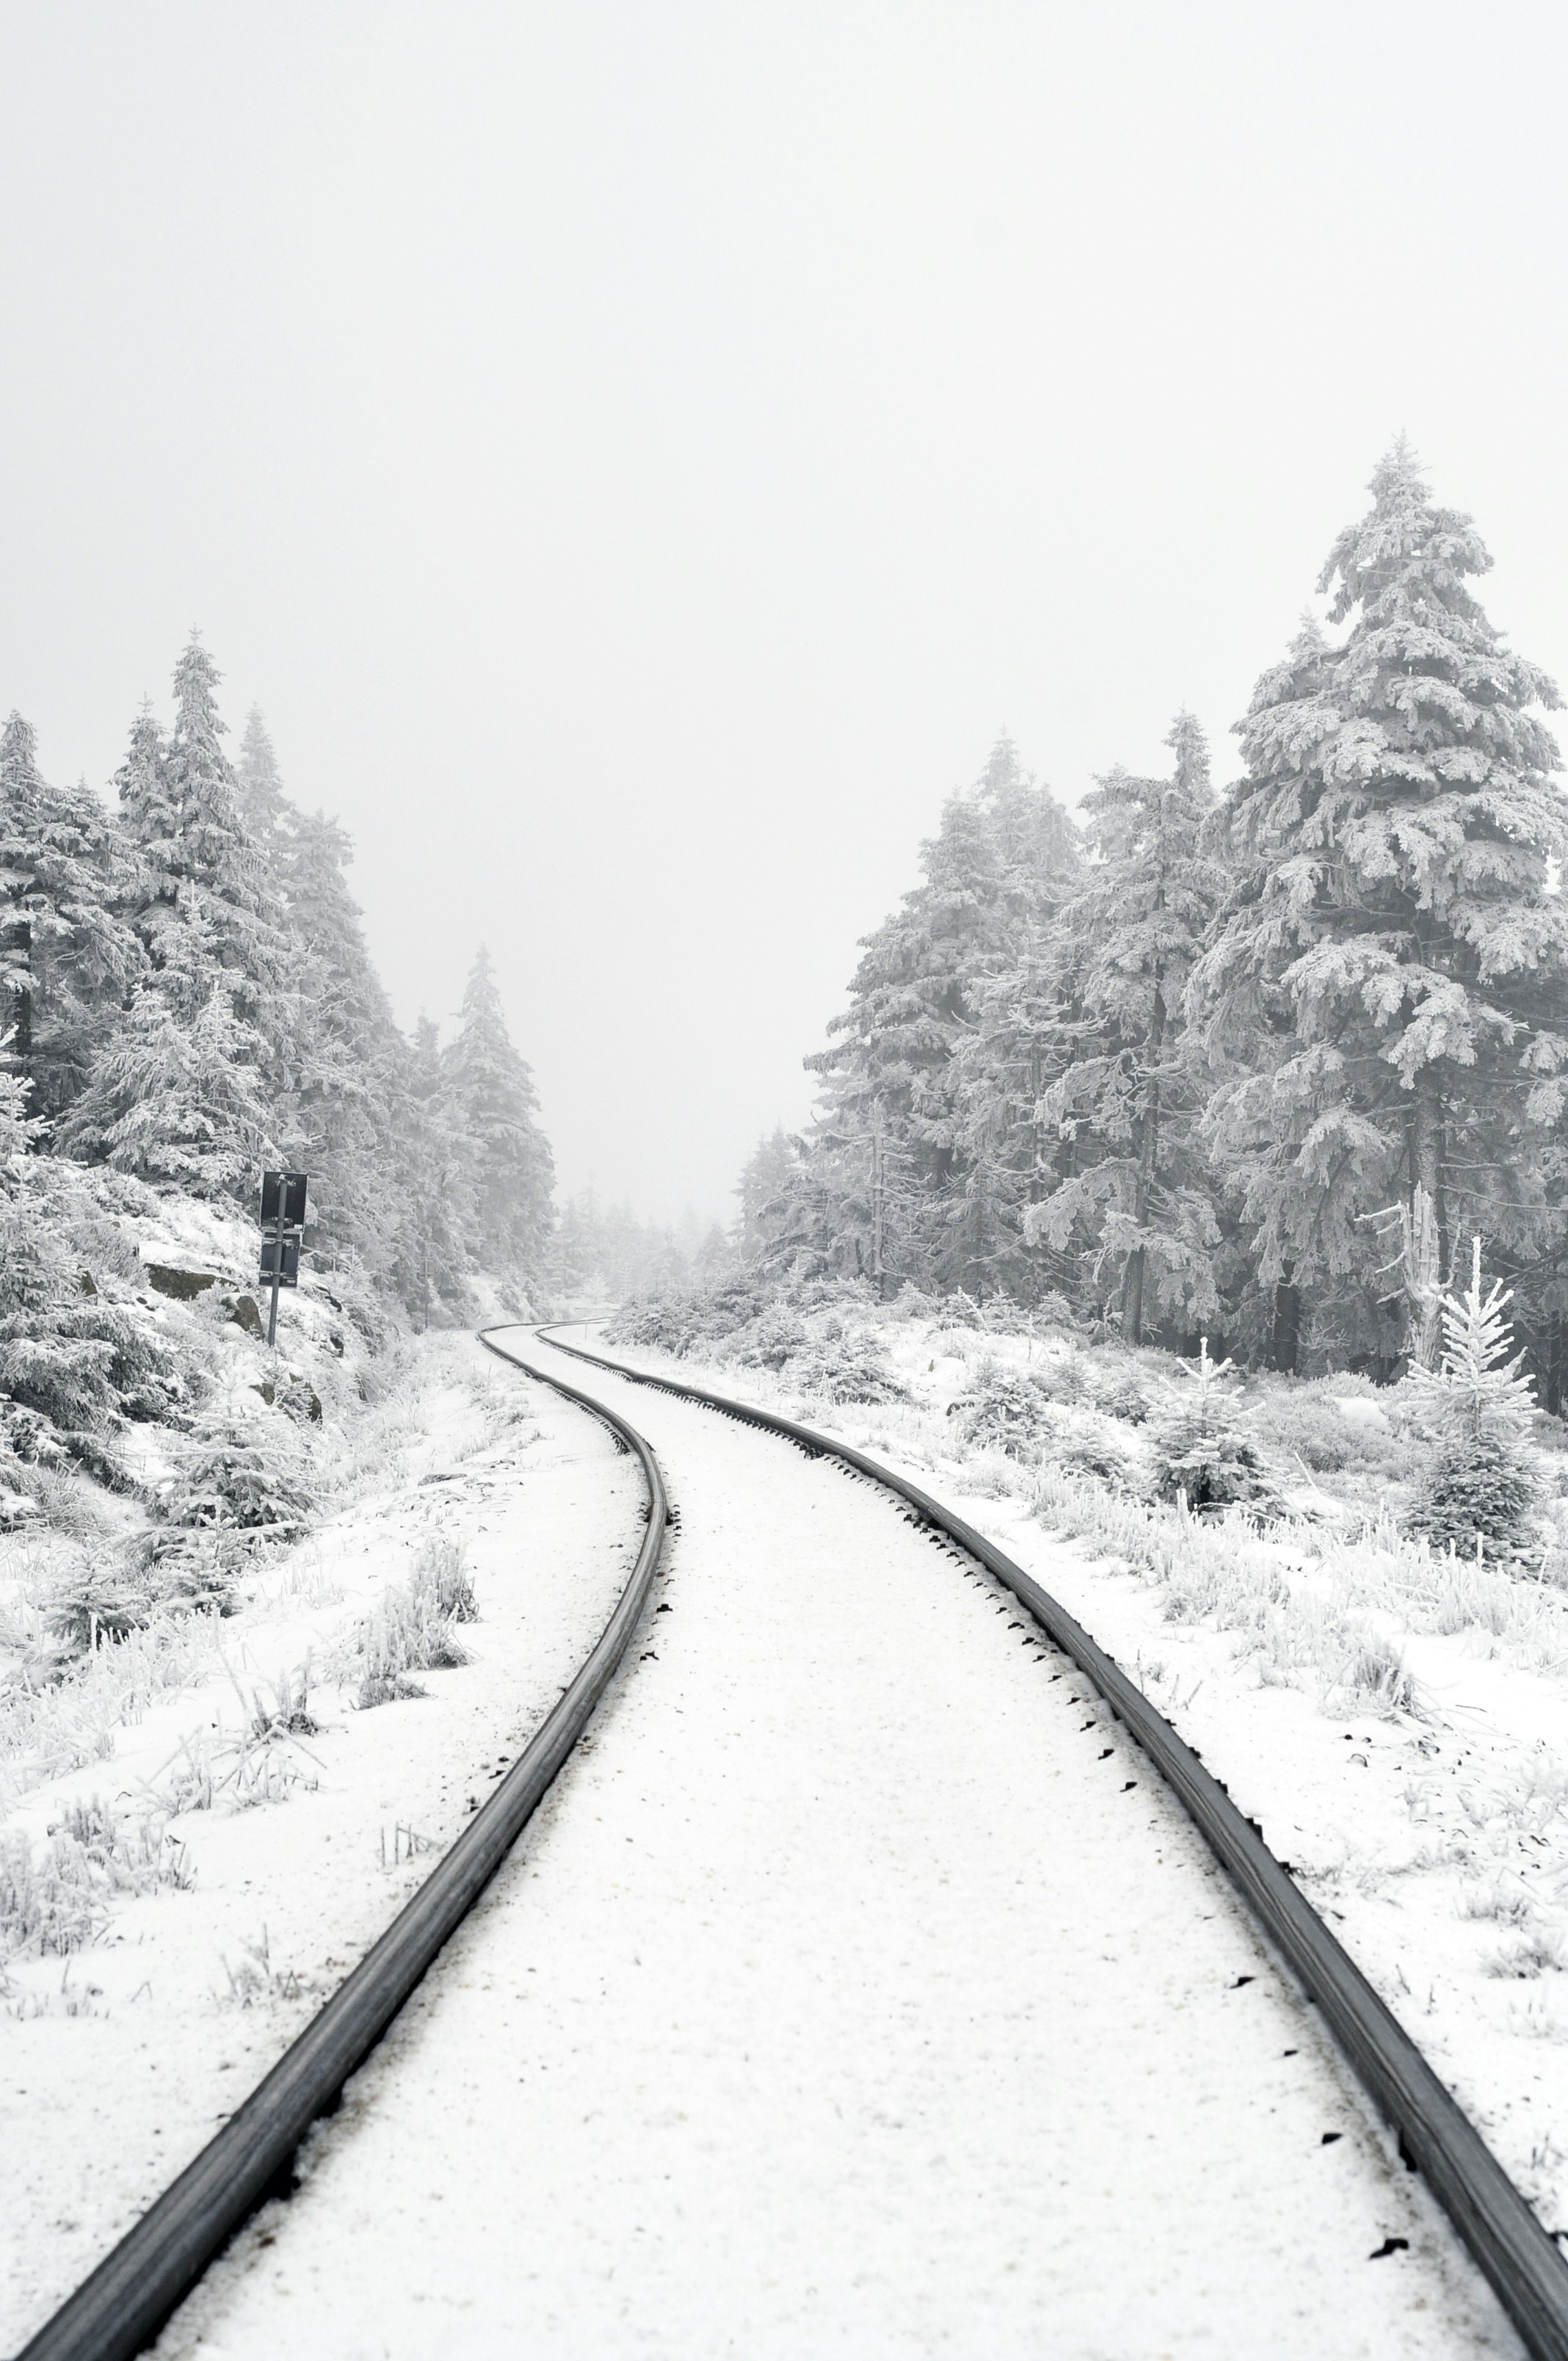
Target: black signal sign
x,y
288,1188
287,1272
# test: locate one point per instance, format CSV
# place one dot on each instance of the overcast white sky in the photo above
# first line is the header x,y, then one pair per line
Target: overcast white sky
x,y
641,455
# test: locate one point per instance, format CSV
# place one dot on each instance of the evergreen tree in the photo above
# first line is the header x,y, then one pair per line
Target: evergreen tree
x,y
1385,996
189,1084
495,1109
765,1188
349,1063
1004,857
435,1250
1478,1487
268,814
66,958
177,1090
1125,1089
180,805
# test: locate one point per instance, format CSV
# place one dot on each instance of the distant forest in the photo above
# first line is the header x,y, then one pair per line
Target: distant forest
x,y
189,998
1256,1062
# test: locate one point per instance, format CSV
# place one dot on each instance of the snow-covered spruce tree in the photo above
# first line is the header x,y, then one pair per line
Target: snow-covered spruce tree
x,y
67,958
1478,1487
494,1106
200,859
178,1091
188,1085
1385,996
1005,855
267,813
1202,1446
434,1243
1127,1091
348,1106
764,1189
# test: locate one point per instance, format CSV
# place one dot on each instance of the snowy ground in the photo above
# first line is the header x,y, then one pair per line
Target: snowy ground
x,y
117,2062
855,1991
1434,1839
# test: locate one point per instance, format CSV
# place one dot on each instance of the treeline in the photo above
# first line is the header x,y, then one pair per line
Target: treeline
x,y
1258,1063
605,1255
189,998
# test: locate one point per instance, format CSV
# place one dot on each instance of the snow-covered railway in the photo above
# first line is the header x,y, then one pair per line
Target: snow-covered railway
x,y
863,1988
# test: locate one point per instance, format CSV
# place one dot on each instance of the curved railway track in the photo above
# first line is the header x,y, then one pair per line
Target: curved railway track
x,y
1436,2137
119,2310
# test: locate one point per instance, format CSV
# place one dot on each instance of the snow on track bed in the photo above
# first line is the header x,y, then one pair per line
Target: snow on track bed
x,y
845,1997
107,2106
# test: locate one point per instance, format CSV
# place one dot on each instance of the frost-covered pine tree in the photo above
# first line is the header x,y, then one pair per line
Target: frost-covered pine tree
x,y
348,1062
188,1085
200,857
1478,1488
1004,860
434,1232
178,1091
1203,1449
490,1091
1126,1089
265,808
765,1188
66,956
1385,996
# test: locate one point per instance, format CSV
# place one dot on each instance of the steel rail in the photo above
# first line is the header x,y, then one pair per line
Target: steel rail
x,y
1436,2137
117,2312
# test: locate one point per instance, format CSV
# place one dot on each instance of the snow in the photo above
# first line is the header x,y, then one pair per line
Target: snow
x,y
117,2063
856,1990
1433,1841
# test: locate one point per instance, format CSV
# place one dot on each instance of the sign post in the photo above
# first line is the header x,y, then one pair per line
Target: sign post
x,y
282,1221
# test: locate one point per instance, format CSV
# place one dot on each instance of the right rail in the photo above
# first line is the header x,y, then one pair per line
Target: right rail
x,y
1436,2137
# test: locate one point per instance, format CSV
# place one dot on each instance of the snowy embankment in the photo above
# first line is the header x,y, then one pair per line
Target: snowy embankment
x,y
855,1991
1395,1722
236,1825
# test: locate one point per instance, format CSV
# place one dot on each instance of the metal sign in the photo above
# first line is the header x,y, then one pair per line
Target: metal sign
x,y
287,1272
288,1188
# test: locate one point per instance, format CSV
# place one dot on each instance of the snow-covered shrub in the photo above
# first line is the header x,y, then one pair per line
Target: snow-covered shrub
x,y
683,1322
1202,1447
775,1336
96,1606
845,1364
1062,1377
1004,1408
1117,1387
1305,1421
239,1471
1086,1442
1478,1490
66,1350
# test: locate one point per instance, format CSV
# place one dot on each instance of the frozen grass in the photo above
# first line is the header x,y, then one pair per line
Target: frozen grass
x,y
411,1628
54,1898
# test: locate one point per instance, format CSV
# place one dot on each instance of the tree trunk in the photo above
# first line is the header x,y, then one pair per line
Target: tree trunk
x,y
1286,1326
1425,1260
22,1007
1148,1165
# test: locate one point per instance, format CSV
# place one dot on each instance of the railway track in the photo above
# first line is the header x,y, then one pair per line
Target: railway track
x,y
1436,2137
120,2308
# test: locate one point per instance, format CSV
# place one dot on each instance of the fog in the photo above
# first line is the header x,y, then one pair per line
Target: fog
x,y
640,458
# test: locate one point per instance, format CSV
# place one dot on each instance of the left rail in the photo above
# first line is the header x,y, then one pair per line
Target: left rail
x,y
117,2312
